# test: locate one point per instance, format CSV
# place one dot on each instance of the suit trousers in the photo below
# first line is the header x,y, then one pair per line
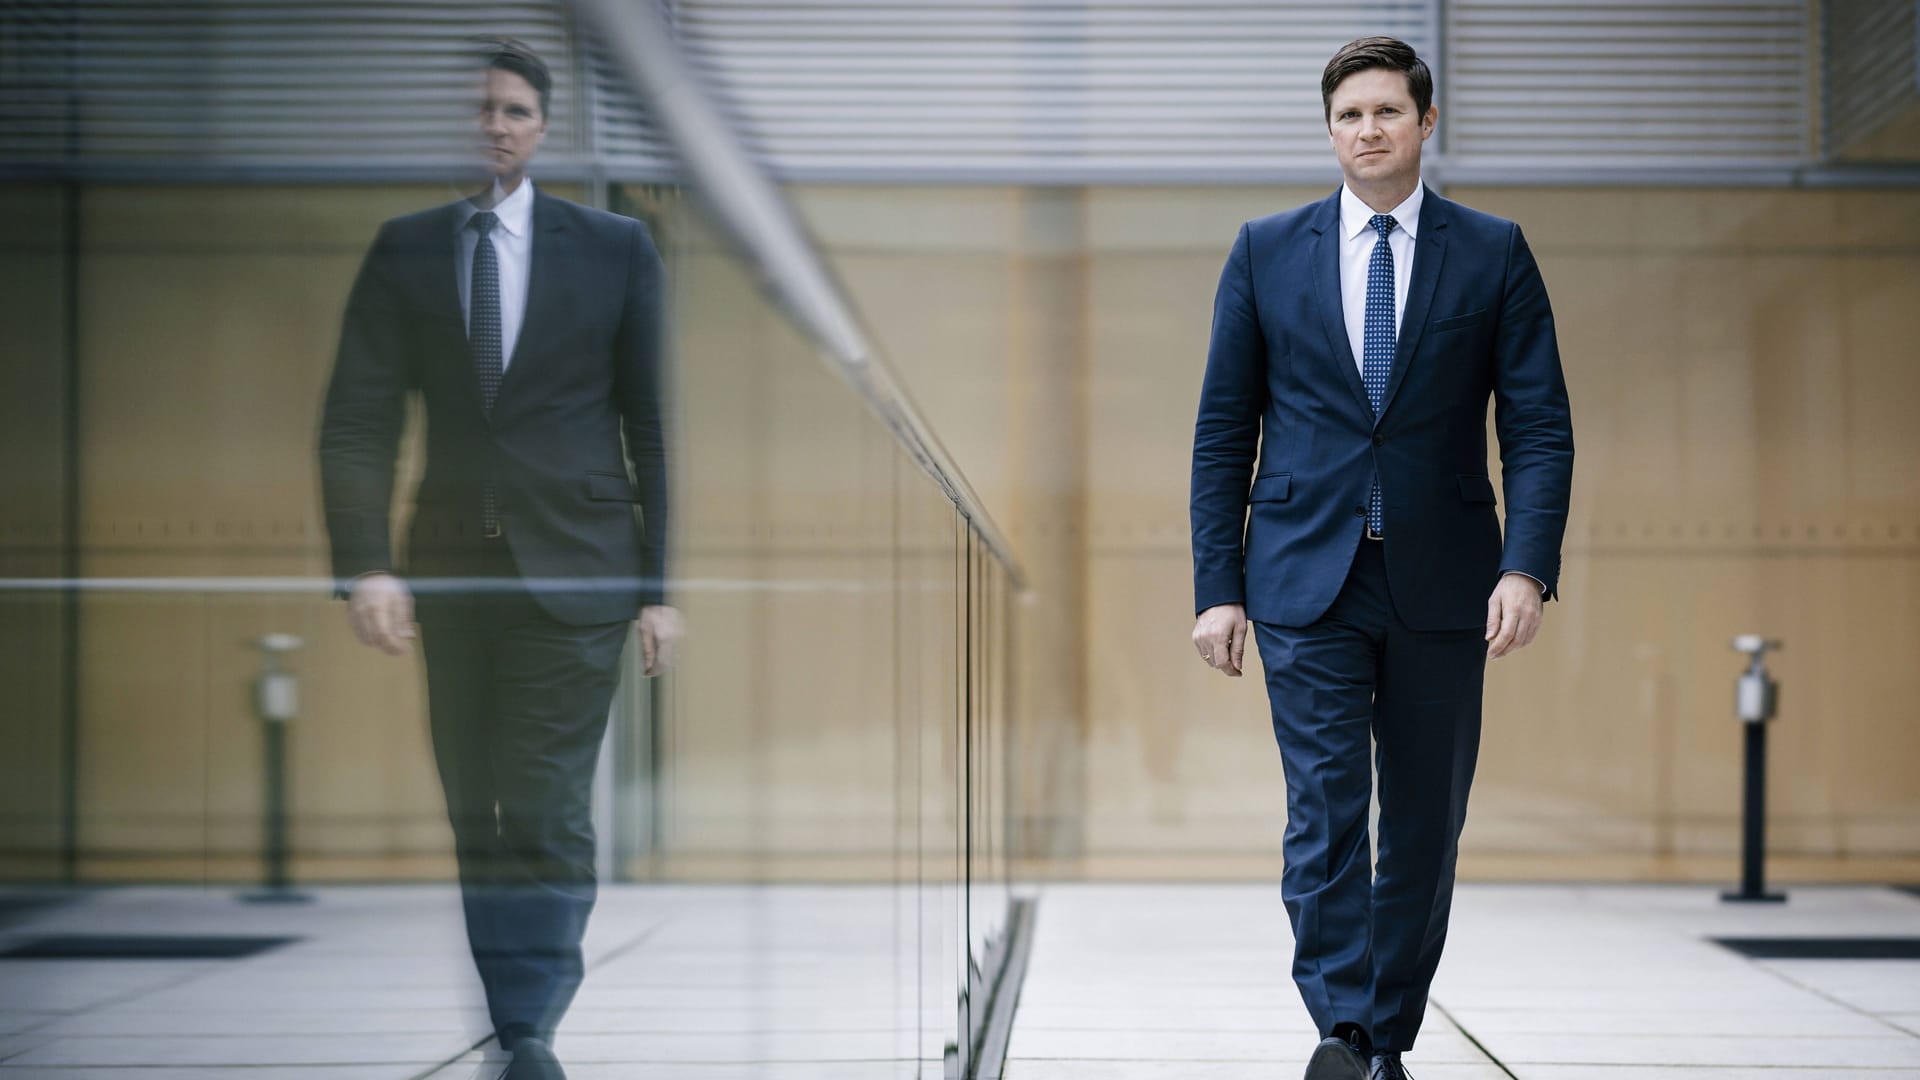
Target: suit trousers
x,y
518,706
1367,938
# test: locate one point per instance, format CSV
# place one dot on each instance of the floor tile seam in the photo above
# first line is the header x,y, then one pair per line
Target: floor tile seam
x,y
1843,1003
719,1062
612,953
113,1001
429,1069
1267,1060
1557,1063
1497,1034
1130,1029
1448,1016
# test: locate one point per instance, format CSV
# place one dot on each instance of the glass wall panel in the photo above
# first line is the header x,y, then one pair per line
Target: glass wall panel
x,y
798,852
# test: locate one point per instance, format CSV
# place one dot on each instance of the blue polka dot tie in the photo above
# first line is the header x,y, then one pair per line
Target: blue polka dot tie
x,y
1378,340
483,337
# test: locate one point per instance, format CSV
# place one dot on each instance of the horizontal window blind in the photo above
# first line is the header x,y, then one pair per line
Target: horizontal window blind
x,y
1020,91
1033,90
1633,84
339,84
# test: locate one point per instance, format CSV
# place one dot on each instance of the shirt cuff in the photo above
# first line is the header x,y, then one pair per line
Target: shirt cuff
x,y
1522,573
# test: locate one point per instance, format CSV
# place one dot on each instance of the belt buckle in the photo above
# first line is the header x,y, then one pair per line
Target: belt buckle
x,y
491,532
1371,535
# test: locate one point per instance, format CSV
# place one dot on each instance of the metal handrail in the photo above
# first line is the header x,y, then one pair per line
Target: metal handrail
x,y
760,220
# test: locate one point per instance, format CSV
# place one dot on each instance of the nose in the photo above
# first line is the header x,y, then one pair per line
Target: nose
x,y
490,123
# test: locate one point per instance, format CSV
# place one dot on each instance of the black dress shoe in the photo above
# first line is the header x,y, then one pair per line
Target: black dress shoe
x,y
1386,1066
533,1060
1336,1059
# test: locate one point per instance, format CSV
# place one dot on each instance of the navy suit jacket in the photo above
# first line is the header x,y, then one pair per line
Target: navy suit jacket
x,y
582,381
1282,389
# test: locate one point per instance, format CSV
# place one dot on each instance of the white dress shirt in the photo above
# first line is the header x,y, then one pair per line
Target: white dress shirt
x,y
513,243
1357,239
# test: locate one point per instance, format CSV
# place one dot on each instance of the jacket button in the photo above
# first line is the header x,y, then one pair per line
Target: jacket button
x,y
1379,440
1359,511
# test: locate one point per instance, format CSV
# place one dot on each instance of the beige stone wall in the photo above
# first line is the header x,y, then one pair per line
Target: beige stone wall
x,y
1741,369
33,432
818,726
1740,363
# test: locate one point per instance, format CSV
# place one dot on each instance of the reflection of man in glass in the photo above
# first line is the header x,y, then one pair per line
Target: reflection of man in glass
x,y
528,326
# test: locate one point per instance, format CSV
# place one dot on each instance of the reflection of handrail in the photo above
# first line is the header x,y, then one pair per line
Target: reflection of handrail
x,y
747,206
460,586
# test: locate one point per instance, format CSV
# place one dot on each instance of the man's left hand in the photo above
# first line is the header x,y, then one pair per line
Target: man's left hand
x,y
661,629
1513,615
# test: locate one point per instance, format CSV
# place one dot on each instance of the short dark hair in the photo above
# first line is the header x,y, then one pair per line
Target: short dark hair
x,y
1367,53
512,54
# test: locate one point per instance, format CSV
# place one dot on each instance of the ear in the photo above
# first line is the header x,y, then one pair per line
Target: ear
x,y
1429,122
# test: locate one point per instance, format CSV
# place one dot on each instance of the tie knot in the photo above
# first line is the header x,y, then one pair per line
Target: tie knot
x,y
1382,224
484,221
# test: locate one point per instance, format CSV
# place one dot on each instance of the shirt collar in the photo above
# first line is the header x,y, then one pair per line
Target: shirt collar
x,y
515,211
1355,214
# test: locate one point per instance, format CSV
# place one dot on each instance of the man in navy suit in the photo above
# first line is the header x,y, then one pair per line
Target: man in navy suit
x,y
1356,342
528,327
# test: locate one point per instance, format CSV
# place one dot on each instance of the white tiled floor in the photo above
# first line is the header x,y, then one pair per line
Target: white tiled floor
x,y
1190,982
701,983
1173,982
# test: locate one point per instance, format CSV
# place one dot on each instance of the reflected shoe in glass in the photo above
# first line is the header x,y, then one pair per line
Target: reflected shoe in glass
x,y
533,1060
1336,1059
1386,1066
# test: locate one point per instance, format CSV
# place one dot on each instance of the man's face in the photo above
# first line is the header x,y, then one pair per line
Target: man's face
x,y
510,123
1375,133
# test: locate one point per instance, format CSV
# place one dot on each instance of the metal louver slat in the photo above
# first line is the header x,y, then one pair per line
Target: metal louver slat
x,y
1626,84
269,88
1043,91
940,91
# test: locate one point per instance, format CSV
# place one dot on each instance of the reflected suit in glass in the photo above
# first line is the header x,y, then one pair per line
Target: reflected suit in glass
x,y
522,626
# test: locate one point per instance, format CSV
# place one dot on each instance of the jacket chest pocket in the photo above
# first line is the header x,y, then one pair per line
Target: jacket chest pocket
x,y
1457,322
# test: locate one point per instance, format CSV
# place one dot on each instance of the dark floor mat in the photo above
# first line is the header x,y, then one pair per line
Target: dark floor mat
x,y
1824,948
17,907
141,947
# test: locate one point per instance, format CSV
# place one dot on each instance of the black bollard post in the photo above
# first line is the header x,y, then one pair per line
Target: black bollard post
x,y
277,700
1755,698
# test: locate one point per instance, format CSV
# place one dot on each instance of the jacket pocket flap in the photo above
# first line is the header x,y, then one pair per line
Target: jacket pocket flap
x,y
609,486
1273,487
1455,322
1476,489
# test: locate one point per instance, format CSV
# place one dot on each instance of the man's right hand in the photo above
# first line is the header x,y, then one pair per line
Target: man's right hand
x,y
380,609
1221,636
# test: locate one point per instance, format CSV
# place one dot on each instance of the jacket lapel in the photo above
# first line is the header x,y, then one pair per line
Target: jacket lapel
x,y
440,270
543,295
1326,289
1429,251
